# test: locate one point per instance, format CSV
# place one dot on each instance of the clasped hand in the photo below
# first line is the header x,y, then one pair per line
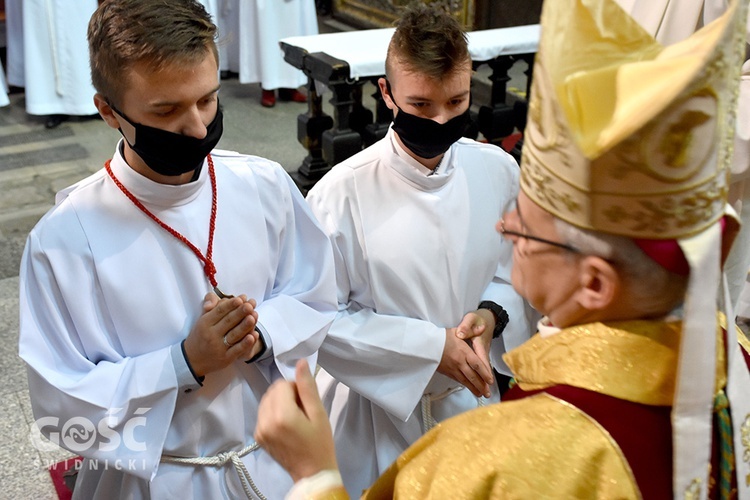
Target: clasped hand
x,y
231,318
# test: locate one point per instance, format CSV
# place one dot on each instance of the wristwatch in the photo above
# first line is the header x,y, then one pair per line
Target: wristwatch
x,y
501,316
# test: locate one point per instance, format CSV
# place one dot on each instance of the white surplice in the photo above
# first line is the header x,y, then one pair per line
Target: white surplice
x,y
56,57
414,253
107,296
249,34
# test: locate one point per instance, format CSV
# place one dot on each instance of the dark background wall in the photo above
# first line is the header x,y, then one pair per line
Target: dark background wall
x,y
505,13
474,14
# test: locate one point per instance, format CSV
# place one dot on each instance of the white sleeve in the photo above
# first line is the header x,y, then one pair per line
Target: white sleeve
x,y
741,157
388,359
76,374
300,307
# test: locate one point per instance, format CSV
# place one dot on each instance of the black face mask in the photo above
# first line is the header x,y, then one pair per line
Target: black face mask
x,y
167,153
424,137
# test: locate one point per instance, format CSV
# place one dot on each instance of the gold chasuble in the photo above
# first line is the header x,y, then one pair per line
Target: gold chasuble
x,y
515,449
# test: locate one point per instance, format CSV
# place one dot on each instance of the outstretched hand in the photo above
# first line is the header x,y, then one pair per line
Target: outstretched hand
x,y
293,426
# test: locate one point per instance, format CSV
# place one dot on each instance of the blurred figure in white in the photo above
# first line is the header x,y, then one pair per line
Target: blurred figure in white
x,y
14,42
212,7
49,37
4,101
743,306
249,34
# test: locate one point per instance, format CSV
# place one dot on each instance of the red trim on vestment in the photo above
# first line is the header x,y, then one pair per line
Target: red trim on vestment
x,y
643,433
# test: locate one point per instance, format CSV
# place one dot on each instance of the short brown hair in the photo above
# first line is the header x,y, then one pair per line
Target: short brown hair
x,y
122,33
428,41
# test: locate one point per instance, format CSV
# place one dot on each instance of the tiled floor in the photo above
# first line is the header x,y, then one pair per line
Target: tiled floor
x,y
24,474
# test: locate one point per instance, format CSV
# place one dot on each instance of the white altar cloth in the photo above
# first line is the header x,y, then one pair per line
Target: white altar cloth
x,y
365,50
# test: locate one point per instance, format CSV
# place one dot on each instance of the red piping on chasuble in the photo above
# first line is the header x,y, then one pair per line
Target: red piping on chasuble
x,y
643,433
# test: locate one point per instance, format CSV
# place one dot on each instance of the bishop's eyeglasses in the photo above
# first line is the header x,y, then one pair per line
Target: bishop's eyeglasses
x,y
510,232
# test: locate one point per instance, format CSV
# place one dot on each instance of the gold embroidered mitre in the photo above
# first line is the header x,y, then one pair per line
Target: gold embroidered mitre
x,y
624,135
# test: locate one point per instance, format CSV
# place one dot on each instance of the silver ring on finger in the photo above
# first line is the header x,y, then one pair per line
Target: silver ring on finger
x,y
225,342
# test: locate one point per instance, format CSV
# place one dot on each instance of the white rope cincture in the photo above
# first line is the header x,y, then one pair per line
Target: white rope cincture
x,y
428,421
219,461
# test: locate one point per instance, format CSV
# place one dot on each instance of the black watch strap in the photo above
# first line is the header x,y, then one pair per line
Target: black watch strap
x,y
501,316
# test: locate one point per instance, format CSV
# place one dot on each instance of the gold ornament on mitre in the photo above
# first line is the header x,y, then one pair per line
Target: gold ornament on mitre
x,y
626,136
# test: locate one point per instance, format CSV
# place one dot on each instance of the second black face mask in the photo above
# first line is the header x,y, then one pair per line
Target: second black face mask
x,y
171,154
427,138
